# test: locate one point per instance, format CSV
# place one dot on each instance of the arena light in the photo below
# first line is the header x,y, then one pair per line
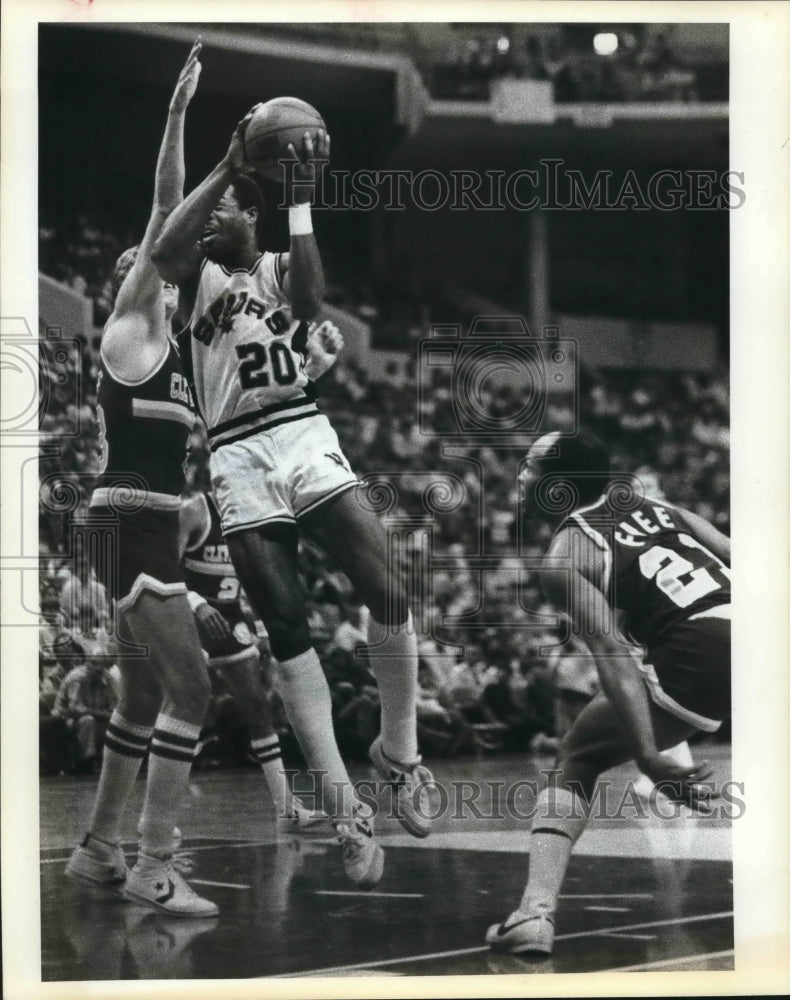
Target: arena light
x,y
503,44
605,43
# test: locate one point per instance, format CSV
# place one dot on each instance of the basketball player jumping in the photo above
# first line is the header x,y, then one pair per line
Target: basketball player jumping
x,y
667,570
216,600
277,469
145,414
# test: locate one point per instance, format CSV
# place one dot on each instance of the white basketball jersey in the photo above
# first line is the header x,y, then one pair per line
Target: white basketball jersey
x,y
245,370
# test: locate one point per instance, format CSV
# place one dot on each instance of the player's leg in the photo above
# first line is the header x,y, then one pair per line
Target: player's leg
x,y
99,857
594,744
355,538
166,625
85,730
266,561
242,675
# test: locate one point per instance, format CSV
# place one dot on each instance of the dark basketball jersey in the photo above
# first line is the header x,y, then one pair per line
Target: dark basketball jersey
x,y
656,571
145,429
207,566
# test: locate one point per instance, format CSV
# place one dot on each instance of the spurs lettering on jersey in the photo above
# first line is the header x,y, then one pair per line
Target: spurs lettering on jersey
x,y
246,349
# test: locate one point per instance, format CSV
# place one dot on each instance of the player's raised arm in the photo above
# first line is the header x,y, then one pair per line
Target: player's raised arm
x,y
143,284
303,281
176,252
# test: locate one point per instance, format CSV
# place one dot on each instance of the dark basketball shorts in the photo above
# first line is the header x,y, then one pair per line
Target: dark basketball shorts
x,y
135,551
238,646
688,671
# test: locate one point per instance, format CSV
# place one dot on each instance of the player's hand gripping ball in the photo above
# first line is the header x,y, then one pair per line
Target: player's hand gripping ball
x,y
273,127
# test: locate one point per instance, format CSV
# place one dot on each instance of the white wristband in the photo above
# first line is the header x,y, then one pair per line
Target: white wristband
x,y
300,222
195,600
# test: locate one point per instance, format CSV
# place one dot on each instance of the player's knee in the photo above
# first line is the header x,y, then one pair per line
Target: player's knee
x,y
139,703
289,634
287,644
575,753
189,688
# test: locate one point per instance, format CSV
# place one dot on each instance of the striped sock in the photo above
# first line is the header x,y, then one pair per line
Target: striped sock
x,y
125,746
172,751
268,753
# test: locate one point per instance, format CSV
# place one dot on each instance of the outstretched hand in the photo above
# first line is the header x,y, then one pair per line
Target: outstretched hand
x,y
688,785
188,79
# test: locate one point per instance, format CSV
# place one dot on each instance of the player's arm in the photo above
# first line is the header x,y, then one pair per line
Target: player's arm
x,y
143,283
140,294
710,537
567,576
303,273
564,578
176,251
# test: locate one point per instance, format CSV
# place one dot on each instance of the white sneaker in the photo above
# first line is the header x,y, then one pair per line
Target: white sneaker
x,y
100,863
523,933
410,783
157,883
363,858
300,818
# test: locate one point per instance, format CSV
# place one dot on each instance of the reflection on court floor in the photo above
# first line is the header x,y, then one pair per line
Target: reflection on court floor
x,y
641,893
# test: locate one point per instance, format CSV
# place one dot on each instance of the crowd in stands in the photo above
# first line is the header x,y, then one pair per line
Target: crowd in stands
x,y
459,61
640,69
483,687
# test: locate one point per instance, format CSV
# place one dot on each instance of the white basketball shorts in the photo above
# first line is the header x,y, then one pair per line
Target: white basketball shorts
x,y
279,474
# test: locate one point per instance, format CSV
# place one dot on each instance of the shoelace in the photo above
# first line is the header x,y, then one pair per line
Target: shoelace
x,y
350,833
184,863
422,776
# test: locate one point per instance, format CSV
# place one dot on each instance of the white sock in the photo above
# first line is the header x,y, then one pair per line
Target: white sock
x,y
305,693
125,746
268,753
393,659
560,819
173,749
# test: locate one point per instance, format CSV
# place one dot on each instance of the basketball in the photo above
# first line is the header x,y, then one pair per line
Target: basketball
x,y
274,125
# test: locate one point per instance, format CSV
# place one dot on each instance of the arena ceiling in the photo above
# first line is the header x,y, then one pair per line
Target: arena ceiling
x,y
239,63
